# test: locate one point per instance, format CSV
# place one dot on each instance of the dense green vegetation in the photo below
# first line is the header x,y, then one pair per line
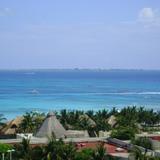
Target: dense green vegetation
x,y
123,133
133,115
57,150
4,148
80,120
139,155
143,142
31,122
129,121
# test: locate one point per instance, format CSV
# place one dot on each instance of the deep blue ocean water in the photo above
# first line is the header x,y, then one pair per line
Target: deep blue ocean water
x,y
44,90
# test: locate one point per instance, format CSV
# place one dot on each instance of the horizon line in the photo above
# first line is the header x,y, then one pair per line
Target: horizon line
x,y
78,69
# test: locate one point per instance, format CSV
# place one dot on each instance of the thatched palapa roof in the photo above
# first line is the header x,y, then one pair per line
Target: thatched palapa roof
x,y
11,127
112,121
91,122
51,126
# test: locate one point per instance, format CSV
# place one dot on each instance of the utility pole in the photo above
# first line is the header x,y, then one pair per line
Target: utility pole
x,y
2,156
10,153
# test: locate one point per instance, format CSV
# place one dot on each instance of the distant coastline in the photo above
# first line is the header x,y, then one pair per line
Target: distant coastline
x,y
78,69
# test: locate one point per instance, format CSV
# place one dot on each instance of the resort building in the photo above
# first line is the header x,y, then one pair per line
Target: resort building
x,y
10,128
51,127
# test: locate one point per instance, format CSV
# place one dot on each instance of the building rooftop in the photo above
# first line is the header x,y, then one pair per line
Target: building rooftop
x,y
109,147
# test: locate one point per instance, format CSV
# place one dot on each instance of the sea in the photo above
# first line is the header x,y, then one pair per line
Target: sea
x,y
53,90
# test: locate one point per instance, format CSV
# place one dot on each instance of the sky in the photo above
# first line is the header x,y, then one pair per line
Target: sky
x,y
106,34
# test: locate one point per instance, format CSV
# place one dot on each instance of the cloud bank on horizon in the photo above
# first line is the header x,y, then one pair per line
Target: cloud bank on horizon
x,y
80,35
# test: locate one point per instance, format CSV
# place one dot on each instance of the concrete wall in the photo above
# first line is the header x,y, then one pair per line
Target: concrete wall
x,y
104,134
155,144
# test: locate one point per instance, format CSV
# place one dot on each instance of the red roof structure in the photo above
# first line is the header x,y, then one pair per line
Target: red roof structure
x,y
109,147
155,138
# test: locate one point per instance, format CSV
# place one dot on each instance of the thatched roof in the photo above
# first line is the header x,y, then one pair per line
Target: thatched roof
x,y
51,126
91,122
11,126
112,121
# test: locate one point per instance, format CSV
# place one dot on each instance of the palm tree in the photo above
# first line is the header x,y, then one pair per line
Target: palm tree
x,y
102,125
63,116
23,150
2,119
138,155
85,154
37,153
99,153
31,122
52,148
113,111
84,123
58,150
68,152
90,113
27,124
103,114
143,142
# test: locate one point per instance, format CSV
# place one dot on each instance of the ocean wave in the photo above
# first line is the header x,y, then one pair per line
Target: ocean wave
x,y
136,93
34,91
109,93
29,73
156,93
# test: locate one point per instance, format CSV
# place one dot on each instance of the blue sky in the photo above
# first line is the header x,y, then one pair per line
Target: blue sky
x,y
80,34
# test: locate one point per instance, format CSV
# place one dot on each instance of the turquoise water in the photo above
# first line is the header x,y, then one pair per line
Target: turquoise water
x,y
44,90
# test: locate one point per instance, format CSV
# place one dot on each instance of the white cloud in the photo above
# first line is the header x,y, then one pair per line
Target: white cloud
x,y
149,17
147,14
5,11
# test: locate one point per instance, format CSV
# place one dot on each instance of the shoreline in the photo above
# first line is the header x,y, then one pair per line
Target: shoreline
x,y
11,115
